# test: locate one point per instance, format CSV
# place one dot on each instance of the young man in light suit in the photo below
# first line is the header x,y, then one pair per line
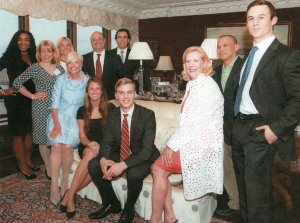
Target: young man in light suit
x,y
111,161
267,110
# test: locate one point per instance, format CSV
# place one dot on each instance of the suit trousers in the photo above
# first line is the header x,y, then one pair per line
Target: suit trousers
x,y
135,177
253,159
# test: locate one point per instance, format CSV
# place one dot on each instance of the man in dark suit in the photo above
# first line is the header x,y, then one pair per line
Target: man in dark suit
x,y
123,38
224,76
111,161
267,110
104,65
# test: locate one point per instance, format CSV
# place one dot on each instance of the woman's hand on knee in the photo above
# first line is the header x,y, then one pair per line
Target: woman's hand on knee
x,y
94,146
55,132
167,156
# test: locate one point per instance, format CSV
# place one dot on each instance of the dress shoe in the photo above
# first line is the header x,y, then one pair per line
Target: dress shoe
x,y
49,178
63,208
72,213
127,216
227,212
104,211
28,177
35,168
55,202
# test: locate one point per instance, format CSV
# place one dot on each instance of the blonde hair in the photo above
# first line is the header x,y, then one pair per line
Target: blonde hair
x,y
57,47
70,56
208,70
124,81
46,43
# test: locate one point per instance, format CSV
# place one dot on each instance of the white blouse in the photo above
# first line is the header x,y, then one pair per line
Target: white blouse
x,y
199,137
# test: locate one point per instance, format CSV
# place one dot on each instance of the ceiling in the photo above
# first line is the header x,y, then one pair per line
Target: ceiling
x,y
143,9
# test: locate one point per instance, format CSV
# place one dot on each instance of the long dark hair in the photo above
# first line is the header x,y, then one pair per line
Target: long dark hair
x,y
103,105
13,52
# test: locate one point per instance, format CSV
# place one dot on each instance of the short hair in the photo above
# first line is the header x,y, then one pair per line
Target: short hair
x,y
47,43
235,40
123,30
97,32
124,81
72,55
208,70
57,46
262,2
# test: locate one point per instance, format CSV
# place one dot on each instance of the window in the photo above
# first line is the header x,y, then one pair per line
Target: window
x,y
44,29
113,40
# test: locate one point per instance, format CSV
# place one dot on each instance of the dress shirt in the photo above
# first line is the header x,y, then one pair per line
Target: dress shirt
x,y
226,72
124,54
129,117
247,106
102,57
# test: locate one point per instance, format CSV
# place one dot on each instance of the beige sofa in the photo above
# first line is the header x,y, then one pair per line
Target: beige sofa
x,y
199,210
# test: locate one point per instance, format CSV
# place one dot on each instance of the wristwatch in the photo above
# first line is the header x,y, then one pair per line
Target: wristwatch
x,y
1,90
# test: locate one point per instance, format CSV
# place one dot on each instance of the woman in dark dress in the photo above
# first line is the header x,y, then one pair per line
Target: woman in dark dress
x,y
19,55
91,120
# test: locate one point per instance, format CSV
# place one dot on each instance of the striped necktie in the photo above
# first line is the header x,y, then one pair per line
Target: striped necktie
x,y
246,72
125,149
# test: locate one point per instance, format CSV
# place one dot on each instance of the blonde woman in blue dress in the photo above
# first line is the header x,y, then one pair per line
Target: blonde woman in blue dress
x,y
62,129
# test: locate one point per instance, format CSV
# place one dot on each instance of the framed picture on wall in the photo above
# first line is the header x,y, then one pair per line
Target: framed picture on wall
x,y
282,31
154,44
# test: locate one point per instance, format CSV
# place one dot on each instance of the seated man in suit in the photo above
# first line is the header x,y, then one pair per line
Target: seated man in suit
x,y
224,76
127,150
104,65
123,38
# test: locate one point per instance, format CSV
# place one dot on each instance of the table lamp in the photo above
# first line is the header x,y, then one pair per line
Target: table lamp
x,y
210,47
140,51
165,65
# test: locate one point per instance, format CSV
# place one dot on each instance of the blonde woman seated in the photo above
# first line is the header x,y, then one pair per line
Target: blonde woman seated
x,y
64,46
62,128
196,148
91,119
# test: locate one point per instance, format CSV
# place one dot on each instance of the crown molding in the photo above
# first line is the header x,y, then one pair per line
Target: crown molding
x,y
141,10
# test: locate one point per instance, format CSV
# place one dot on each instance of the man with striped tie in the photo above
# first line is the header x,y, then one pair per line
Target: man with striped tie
x,y
127,150
266,110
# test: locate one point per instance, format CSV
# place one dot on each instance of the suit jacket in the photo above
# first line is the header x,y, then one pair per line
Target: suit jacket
x,y
131,66
113,70
142,134
229,97
275,93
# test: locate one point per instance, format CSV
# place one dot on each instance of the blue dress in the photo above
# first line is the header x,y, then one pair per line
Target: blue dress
x,y
67,97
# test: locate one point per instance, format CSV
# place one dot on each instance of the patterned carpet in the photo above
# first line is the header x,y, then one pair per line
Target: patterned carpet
x,y
24,200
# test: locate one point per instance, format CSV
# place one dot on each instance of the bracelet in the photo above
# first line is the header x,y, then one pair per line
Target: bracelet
x,y
170,149
1,91
32,95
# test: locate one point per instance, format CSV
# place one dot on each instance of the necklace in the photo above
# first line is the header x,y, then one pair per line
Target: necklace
x,y
24,52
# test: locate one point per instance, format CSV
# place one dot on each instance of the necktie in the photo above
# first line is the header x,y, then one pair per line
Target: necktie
x,y
98,68
122,56
125,150
246,72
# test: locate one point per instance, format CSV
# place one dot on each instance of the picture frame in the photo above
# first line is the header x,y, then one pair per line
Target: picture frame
x,y
282,31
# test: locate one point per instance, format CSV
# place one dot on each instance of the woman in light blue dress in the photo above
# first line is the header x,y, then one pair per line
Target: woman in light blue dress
x,y
62,128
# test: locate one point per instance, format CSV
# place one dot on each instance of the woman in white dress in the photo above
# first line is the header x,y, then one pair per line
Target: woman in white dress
x,y
196,148
63,46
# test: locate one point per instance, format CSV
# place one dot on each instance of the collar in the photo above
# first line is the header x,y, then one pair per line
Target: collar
x,y
129,113
231,64
102,53
264,45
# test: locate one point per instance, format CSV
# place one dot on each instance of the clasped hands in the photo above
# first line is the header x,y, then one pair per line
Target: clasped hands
x,y
115,168
269,134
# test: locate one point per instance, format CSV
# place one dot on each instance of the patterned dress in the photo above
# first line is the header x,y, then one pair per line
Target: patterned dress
x,y
199,138
44,82
67,97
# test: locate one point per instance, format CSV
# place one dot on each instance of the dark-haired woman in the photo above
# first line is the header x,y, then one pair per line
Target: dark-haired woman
x,y
91,119
19,55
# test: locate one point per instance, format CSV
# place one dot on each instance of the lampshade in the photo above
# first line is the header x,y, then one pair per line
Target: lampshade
x,y
164,63
140,51
210,47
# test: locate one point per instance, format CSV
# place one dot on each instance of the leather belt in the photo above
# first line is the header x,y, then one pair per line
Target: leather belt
x,y
248,117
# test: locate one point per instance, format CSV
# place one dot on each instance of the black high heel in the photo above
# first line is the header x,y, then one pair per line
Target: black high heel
x,y
28,177
71,214
35,168
49,178
63,208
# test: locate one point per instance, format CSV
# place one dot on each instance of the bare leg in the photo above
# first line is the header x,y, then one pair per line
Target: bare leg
x,y
55,163
81,178
45,153
28,147
18,148
161,196
67,157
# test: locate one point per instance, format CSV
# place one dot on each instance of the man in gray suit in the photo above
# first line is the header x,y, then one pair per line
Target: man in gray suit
x,y
267,110
111,162
224,76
